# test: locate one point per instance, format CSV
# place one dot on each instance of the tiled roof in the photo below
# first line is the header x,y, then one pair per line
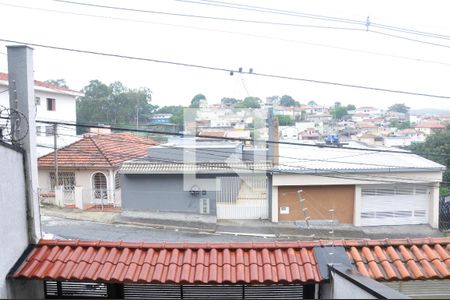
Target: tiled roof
x,y
430,124
403,259
170,262
142,166
42,84
107,150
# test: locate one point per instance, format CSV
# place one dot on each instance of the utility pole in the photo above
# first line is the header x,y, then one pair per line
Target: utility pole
x,y
55,152
137,117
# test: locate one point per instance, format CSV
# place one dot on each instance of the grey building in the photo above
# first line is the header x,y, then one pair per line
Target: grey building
x,y
207,180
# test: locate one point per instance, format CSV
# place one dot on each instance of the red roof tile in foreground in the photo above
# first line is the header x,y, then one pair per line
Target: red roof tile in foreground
x,y
102,261
105,150
402,259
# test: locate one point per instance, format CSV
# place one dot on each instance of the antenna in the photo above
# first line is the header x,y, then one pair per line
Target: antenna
x,y
304,208
331,211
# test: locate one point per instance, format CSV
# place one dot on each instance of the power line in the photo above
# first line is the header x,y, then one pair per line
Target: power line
x,y
234,33
266,75
331,174
207,17
226,138
315,16
331,160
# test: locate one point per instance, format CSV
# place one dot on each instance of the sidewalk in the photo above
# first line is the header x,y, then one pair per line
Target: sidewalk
x,y
260,228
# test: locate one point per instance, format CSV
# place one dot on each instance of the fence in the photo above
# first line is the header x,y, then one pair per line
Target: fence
x,y
444,213
81,198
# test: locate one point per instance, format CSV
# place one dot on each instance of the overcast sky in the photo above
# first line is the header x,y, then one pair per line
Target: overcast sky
x,y
345,56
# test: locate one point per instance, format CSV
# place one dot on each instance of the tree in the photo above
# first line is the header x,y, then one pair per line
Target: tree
x,y
113,104
58,82
339,112
177,112
312,103
400,125
351,107
288,101
399,107
285,120
436,148
249,102
195,102
229,102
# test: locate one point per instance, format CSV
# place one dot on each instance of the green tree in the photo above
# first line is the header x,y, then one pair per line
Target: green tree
x,y
288,101
229,102
436,148
339,112
249,102
113,104
195,102
177,114
59,82
285,120
351,107
312,103
399,107
400,125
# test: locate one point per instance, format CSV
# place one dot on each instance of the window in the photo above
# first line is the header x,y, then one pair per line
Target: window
x,y
37,100
66,179
99,186
204,205
49,130
117,181
51,104
38,130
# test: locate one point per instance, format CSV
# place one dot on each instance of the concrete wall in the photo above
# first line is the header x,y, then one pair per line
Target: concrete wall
x,y
13,216
161,193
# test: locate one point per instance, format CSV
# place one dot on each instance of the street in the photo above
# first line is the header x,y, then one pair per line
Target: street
x,y
77,229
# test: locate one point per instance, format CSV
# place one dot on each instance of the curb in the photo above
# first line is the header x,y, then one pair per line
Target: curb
x,y
164,227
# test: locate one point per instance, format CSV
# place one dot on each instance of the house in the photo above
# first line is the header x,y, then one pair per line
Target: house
x,y
199,180
429,127
288,132
364,185
367,127
335,269
87,169
158,119
370,139
53,103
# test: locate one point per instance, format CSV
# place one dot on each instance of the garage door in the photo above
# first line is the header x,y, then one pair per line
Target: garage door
x,y
394,205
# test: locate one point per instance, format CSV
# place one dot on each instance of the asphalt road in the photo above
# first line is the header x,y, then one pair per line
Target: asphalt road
x,y
76,229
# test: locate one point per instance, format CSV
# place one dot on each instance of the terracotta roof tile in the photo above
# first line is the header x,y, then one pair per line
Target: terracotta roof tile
x,y
171,262
4,77
401,259
107,150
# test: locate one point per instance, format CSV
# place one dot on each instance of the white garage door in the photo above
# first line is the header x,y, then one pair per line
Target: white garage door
x,y
391,205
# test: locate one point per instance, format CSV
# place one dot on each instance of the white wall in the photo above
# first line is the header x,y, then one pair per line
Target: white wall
x,y
13,216
83,178
65,111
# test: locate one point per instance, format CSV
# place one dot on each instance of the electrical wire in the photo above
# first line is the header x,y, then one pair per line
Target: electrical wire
x,y
366,24
422,60
225,138
207,17
204,67
293,169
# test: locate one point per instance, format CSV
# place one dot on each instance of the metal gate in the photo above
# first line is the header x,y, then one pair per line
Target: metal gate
x,y
444,213
242,197
92,290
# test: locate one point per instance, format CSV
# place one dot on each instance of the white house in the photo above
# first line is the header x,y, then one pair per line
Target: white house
x,y
53,103
363,188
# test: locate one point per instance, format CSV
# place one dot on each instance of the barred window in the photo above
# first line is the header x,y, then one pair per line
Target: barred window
x,y
66,179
